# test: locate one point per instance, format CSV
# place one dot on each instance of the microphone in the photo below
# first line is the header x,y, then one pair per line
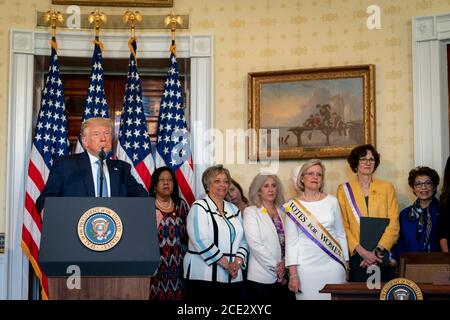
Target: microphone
x,y
102,157
102,154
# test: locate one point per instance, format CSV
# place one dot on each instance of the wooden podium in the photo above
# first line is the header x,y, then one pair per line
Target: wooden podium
x,y
120,269
101,288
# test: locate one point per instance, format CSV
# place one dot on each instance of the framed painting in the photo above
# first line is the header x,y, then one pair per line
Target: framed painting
x,y
117,3
311,113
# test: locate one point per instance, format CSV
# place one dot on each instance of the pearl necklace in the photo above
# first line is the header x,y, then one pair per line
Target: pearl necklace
x,y
163,207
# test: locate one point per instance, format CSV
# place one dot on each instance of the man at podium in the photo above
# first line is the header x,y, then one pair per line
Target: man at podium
x,y
84,175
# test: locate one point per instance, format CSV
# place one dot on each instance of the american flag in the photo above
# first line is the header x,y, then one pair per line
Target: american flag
x,y
172,145
95,104
134,144
50,142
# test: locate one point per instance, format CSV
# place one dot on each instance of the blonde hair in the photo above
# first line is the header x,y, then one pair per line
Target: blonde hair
x,y
96,121
311,163
254,193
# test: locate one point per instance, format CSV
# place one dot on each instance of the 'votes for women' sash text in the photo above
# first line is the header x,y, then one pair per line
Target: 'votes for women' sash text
x,y
315,231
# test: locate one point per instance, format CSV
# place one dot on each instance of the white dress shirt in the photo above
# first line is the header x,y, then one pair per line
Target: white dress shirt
x,y
94,167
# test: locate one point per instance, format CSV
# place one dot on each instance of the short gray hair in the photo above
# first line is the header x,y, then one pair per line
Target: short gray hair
x,y
254,193
213,171
311,163
96,121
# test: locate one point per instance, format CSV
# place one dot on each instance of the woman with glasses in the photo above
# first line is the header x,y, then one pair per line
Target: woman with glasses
x,y
316,247
366,196
171,212
419,222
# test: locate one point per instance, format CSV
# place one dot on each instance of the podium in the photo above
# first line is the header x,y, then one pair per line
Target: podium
x,y
99,248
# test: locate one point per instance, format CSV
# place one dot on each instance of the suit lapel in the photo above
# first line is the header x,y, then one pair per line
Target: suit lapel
x,y
114,177
85,168
265,218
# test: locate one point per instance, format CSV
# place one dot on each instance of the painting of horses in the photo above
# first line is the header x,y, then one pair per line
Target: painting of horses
x,y
311,113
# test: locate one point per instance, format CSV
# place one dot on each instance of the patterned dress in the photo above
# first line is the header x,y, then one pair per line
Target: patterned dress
x,y
168,284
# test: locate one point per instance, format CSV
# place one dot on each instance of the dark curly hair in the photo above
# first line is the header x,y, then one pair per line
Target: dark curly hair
x,y
155,179
359,152
423,171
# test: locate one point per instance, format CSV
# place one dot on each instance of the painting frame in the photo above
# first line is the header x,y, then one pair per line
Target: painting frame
x,y
117,3
265,87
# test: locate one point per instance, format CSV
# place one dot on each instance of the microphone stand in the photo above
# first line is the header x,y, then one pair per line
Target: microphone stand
x,y
101,156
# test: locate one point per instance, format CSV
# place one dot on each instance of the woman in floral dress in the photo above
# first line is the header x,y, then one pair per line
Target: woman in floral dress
x,y
171,211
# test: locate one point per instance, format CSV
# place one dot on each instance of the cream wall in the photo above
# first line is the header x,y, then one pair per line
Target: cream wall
x,y
263,35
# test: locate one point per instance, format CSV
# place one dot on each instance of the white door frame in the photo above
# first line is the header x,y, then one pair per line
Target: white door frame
x,y
24,45
430,36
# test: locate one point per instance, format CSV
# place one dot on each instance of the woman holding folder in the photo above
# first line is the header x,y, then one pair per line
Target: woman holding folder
x,y
366,196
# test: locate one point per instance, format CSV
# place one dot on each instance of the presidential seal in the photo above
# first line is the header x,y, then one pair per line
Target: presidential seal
x,y
401,289
100,229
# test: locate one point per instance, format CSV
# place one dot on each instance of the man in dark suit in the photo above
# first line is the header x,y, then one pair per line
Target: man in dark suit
x,y
77,175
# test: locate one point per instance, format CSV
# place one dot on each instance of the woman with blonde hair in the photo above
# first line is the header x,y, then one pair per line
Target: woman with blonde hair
x,y
264,231
316,247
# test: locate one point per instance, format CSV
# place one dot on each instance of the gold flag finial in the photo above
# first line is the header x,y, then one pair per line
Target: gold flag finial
x,y
132,17
173,20
97,17
53,17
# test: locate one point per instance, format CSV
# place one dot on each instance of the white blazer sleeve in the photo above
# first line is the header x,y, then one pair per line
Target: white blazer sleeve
x,y
198,226
258,249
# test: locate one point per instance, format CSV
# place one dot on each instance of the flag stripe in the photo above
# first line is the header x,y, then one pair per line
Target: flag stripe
x,y
50,142
184,187
172,144
35,175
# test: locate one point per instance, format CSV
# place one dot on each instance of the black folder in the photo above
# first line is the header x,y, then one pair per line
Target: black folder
x,y
371,231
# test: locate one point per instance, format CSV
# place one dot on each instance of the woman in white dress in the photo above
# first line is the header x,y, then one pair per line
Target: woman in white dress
x,y
316,246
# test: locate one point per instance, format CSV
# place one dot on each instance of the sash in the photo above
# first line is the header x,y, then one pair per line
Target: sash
x,y
351,200
315,231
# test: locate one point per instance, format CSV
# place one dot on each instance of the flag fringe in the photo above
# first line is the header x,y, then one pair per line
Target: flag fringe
x,y
36,268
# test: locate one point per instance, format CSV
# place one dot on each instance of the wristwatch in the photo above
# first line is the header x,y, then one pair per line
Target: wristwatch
x,y
379,252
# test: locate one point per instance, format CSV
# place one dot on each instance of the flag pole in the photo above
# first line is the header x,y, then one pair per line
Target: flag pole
x,y
97,18
173,20
130,17
53,17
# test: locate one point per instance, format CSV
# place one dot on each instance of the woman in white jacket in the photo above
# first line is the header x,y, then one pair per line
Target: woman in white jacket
x,y
264,232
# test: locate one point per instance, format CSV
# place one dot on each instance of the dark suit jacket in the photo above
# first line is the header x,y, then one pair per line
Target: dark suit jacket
x,y
71,176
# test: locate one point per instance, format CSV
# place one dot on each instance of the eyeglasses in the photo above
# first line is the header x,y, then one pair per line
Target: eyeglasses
x,y
426,184
367,160
313,174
